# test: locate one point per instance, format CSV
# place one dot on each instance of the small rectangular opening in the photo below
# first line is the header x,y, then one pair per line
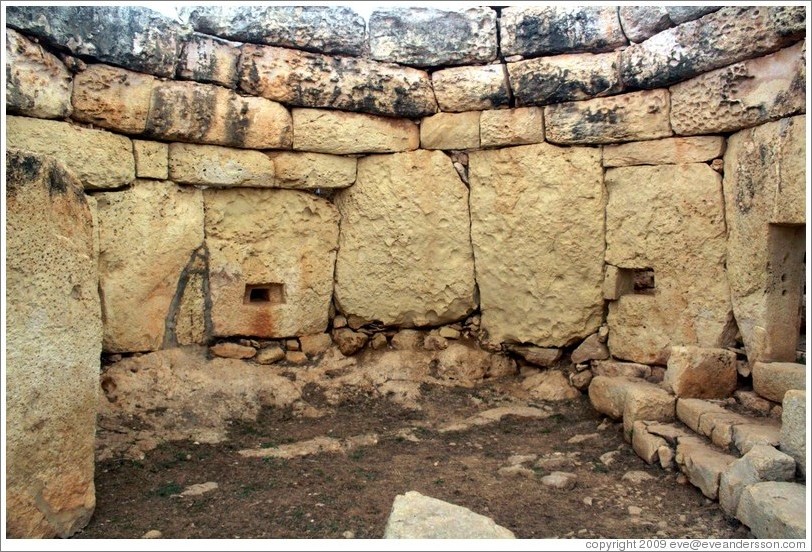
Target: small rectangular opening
x,y
257,294
643,281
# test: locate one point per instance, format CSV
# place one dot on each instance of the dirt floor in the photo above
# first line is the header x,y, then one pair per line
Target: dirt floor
x,y
348,493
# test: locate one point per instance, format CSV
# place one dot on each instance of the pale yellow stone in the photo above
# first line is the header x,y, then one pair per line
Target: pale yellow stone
x,y
219,166
151,159
450,131
308,170
511,127
112,98
667,151
340,132
470,88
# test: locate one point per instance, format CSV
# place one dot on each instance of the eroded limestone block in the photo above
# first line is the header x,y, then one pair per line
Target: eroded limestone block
x,y
691,411
764,165
545,30
147,235
646,401
702,464
271,258
136,38
667,151
428,37
682,14
405,228
112,98
338,132
645,444
623,118
774,510
151,159
793,427
470,88
761,463
612,368
730,35
51,291
209,59
538,253
742,95
608,394
208,114
219,166
306,170
511,127
642,22
329,29
701,373
564,78
306,79
98,158
37,83
670,219
450,131
772,380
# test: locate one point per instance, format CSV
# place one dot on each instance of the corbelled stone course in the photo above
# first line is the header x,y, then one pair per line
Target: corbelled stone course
x,y
471,88
429,37
328,29
642,22
98,158
405,228
313,170
742,95
511,127
727,36
208,114
209,59
131,37
545,30
338,132
564,78
37,83
283,244
219,166
113,98
624,118
147,235
316,80
52,290
541,291
667,151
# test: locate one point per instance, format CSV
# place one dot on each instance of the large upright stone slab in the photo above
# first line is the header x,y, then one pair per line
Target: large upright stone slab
x,y
471,88
98,158
742,95
112,98
539,252
405,252
147,235
429,37
352,84
729,35
545,30
326,131
669,219
37,83
53,343
328,29
764,165
132,37
271,259
624,118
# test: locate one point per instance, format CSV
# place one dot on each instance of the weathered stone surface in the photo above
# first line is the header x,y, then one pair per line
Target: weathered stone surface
x,y
308,170
766,431
540,356
667,151
316,344
590,349
209,59
270,355
51,291
545,30
415,516
742,95
642,22
415,258
449,333
296,357
219,166
208,114
564,78
565,481
764,262
37,83
624,118
703,465
682,14
670,219
339,132
98,158
450,131
349,342
232,350
772,380
351,84
730,35
511,127
550,385
329,29
471,88
581,380
406,340
645,444
542,292
613,368
112,98
428,37
646,401
793,427
132,37
271,261
151,159
750,399
617,282
774,510
701,373
761,463
463,365
608,394
690,411
147,235
719,427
